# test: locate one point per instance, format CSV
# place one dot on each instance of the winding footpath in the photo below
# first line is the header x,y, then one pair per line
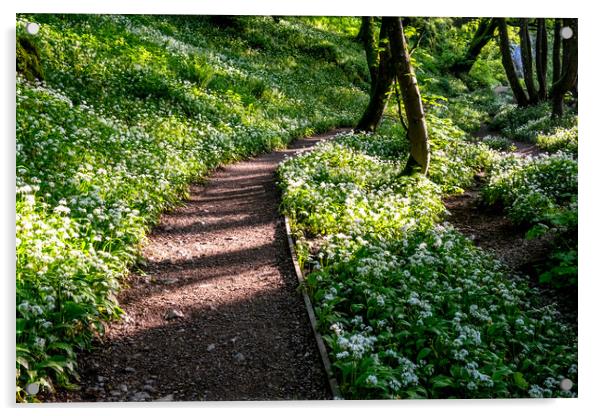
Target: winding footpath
x,y
214,312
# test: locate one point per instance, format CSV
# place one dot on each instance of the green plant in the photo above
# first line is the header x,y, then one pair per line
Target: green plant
x,y
131,109
410,308
561,138
532,189
499,143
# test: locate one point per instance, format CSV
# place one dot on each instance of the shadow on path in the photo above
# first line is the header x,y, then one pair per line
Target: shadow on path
x,y
220,267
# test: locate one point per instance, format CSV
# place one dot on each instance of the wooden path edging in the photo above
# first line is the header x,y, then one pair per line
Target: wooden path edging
x,y
334,386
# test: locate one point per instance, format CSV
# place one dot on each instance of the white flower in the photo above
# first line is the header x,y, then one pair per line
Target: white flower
x,y
372,379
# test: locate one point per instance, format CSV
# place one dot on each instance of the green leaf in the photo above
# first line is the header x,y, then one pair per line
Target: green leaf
x,y
520,381
21,325
501,373
442,381
423,353
23,362
73,311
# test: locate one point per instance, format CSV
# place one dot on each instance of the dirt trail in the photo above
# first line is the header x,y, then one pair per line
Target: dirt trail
x,y
214,314
491,229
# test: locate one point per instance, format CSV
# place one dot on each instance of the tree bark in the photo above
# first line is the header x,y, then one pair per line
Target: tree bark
x,y
517,90
367,39
526,56
556,62
417,130
380,85
568,76
541,58
482,36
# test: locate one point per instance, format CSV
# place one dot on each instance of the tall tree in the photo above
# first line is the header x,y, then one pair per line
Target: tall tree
x,y
541,58
380,84
568,76
556,60
526,57
517,89
485,32
417,130
366,36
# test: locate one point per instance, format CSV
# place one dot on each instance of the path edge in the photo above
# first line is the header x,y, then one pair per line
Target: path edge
x,y
334,386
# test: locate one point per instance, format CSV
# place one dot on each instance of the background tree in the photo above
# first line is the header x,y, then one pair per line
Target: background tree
x,y
568,76
366,36
541,58
517,89
485,32
394,63
416,125
526,57
380,83
556,60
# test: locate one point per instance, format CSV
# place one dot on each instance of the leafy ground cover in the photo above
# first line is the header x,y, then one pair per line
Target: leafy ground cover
x,y
129,111
117,114
409,307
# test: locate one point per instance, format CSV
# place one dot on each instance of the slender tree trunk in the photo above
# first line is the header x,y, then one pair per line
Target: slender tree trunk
x,y
367,39
541,58
568,76
417,130
556,60
517,90
526,56
380,86
485,32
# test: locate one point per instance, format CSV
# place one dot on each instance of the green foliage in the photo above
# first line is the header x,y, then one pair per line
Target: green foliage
x,y
410,308
28,58
454,160
559,270
131,110
499,143
525,124
562,138
336,189
533,189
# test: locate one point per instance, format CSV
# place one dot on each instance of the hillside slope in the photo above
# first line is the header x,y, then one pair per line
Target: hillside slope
x,y
130,110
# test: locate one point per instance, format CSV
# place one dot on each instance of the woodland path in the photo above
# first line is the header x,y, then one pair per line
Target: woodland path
x,y
492,230
489,227
214,313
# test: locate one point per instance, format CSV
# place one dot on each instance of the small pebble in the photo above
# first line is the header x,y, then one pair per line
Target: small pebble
x,y
173,314
167,398
239,357
140,396
149,388
210,347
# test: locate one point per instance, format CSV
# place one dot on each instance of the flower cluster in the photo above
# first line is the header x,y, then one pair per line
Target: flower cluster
x,y
131,109
409,307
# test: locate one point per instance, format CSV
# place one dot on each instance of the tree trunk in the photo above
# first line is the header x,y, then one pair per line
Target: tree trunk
x,y
482,36
517,90
366,21
525,53
380,86
568,76
367,39
541,58
556,62
417,130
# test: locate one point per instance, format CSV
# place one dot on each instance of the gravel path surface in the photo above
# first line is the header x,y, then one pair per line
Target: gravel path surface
x,y
214,314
